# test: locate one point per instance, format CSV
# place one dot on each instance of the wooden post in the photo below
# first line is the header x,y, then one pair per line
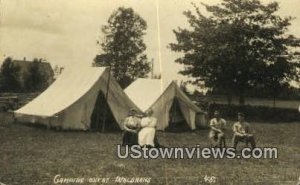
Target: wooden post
x,y
106,99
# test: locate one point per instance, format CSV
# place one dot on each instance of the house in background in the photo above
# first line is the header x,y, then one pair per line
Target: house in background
x,y
57,71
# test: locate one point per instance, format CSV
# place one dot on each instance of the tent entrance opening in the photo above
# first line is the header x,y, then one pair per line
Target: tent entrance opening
x,y
177,122
102,118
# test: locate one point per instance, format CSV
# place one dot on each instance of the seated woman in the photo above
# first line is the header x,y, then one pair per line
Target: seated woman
x,y
146,135
131,127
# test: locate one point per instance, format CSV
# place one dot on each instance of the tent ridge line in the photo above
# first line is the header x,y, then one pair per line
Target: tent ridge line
x,y
159,96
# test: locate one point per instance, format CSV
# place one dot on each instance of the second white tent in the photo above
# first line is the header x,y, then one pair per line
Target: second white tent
x,y
153,94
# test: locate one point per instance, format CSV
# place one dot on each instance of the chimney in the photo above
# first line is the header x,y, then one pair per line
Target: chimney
x,y
61,69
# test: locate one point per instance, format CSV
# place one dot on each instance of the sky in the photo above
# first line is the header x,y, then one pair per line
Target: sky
x,y
65,32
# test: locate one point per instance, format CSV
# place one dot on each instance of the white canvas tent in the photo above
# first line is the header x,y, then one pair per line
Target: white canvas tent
x,y
70,101
153,94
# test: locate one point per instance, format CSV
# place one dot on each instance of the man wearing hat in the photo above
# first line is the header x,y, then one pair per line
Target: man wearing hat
x,y
242,132
217,125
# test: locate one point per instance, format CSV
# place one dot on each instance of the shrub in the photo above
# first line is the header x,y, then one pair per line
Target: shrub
x,y
256,113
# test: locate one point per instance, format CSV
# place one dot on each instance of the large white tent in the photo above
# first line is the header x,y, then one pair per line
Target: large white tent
x,y
70,101
159,96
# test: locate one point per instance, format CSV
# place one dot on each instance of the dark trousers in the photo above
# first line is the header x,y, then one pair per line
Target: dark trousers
x,y
156,143
247,139
130,139
217,139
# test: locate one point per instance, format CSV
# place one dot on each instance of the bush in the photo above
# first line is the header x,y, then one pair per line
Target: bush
x,y
256,113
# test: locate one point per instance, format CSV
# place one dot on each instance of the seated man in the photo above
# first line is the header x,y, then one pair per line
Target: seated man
x,y
217,125
242,132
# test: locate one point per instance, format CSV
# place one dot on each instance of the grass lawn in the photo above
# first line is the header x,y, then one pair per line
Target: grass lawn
x,y
32,155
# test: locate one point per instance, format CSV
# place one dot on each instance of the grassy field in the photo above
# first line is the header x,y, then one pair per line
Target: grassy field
x,y
292,104
32,155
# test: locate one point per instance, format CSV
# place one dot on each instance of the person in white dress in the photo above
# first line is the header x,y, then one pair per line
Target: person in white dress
x,y
146,135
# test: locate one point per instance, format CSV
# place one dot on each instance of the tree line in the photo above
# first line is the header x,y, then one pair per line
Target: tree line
x,y
238,48
12,79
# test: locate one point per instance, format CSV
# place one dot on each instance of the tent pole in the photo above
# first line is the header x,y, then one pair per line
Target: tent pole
x,y
97,113
106,99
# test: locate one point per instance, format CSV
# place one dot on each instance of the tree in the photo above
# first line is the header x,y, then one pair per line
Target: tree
x,y
9,76
237,46
36,80
274,77
123,46
184,88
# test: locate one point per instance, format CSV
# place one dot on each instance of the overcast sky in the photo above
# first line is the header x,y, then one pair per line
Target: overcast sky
x,y
65,31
